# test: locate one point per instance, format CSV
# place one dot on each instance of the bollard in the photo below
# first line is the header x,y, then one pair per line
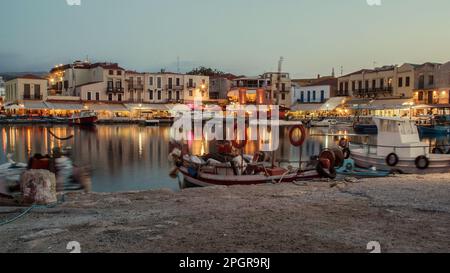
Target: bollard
x,y
38,187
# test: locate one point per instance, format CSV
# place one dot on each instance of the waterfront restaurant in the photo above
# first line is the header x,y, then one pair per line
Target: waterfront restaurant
x,y
332,107
149,111
386,108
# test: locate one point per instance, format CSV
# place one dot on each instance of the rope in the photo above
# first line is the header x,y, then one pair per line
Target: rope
x,y
28,210
59,138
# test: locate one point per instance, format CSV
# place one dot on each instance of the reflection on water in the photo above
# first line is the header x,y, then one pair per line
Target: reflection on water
x,y
130,157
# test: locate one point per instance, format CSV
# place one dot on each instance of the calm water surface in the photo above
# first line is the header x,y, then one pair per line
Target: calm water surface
x,y
130,157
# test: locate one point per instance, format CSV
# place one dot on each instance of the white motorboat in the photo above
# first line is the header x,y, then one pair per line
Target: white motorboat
x,y
399,148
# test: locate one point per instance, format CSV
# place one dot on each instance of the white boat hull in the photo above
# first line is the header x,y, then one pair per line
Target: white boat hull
x,y
438,163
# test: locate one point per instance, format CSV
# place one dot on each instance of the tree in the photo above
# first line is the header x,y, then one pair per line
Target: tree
x,y
206,71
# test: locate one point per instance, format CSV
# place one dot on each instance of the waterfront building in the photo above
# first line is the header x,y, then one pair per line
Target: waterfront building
x,y
317,92
220,86
2,90
432,89
25,88
98,82
135,87
167,87
262,89
371,83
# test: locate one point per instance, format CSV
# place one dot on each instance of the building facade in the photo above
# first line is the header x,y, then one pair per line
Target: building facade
x,y
219,87
166,87
2,89
370,83
318,92
264,89
108,82
26,88
423,82
432,84
101,82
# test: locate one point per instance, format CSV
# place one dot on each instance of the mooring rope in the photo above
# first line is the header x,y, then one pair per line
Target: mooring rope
x,y
28,210
59,138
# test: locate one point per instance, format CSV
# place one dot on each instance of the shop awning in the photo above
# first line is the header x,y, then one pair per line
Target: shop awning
x,y
431,106
147,107
391,104
108,107
65,106
306,107
28,105
332,104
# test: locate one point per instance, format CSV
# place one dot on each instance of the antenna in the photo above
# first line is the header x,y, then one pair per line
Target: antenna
x,y
178,64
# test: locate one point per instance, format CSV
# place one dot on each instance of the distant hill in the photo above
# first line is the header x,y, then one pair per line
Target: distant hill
x,y
11,75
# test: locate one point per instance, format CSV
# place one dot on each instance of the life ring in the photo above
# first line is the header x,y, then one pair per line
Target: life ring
x,y
343,143
347,153
325,171
392,160
298,142
239,144
437,150
328,154
422,162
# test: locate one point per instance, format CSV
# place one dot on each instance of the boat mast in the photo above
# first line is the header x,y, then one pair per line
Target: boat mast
x,y
277,97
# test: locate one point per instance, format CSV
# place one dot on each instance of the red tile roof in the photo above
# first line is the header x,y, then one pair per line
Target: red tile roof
x,y
328,81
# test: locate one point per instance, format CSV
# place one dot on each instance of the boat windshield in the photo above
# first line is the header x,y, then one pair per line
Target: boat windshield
x,y
402,127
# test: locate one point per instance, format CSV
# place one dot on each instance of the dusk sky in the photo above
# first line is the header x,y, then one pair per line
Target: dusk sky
x,y
238,36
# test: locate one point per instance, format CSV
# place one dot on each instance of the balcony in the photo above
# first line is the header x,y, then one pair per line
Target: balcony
x,y
35,97
115,90
371,91
136,86
174,87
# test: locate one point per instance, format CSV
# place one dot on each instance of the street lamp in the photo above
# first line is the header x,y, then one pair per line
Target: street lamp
x,y
140,110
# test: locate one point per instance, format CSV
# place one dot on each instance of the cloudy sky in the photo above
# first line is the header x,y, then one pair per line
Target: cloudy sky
x,y
239,36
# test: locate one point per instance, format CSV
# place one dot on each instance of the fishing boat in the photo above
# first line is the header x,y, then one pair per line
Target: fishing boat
x,y
350,169
364,125
399,148
197,172
227,169
84,118
434,126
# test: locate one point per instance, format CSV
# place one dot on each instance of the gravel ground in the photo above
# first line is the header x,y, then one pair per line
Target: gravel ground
x,y
403,213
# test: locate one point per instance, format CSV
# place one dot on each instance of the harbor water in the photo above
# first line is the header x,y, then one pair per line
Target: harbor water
x,y
132,157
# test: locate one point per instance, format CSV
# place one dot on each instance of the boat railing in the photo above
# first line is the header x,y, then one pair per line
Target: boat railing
x,y
373,148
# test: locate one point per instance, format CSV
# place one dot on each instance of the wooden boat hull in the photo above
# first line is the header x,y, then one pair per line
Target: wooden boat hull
x,y
206,180
438,163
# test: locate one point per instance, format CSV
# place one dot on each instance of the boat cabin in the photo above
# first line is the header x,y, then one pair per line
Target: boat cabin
x,y
399,136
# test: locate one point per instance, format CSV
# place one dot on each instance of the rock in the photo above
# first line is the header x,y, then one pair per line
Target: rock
x,y
117,201
42,234
38,187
